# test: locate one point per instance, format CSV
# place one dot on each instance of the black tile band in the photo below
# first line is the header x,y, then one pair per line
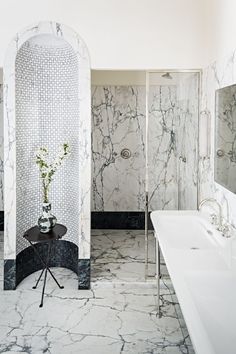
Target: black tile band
x,y
63,254
84,274
1,220
121,220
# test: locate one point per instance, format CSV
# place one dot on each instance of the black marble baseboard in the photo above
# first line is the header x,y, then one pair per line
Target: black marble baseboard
x,y
63,254
1,220
122,220
84,274
9,274
131,220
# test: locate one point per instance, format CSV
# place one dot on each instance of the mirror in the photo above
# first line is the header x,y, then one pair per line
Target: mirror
x,y
225,137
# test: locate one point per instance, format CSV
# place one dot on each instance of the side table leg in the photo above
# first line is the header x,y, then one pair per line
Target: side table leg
x,y
35,286
60,286
46,265
44,285
45,275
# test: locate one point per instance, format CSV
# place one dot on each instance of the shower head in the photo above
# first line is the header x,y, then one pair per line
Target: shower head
x,y
167,76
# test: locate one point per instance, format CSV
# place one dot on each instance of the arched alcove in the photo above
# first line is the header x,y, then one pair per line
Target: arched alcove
x,y
47,103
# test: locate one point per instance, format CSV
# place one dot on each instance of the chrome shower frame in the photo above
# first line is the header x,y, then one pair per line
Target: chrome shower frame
x,y
157,251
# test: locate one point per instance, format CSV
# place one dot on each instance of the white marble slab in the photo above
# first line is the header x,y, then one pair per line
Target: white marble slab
x,y
217,75
1,149
118,118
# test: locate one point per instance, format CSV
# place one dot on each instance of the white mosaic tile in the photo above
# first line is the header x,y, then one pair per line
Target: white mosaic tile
x,y
47,111
78,192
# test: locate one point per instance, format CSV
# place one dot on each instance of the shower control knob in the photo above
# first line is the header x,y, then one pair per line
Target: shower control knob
x,y
220,153
125,153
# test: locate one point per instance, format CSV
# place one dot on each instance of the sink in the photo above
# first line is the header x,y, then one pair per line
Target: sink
x,y
202,267
186,230
214,295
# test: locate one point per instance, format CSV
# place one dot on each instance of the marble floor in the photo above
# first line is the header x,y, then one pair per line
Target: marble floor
x,y
118,314
118,256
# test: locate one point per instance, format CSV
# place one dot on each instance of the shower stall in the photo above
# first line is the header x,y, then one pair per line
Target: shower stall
x,y
172,143
172,140
144,146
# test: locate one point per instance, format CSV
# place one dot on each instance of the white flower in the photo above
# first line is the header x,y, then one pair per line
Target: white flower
x,y
47,169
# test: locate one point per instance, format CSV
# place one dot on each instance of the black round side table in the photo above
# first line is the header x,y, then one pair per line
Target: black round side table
x,y
33,235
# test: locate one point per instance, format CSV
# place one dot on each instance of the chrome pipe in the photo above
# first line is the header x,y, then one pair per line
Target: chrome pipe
x,y
214,201
146,175
158,274
146,236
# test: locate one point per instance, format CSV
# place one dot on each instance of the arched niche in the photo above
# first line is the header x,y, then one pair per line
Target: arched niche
x,y
46,103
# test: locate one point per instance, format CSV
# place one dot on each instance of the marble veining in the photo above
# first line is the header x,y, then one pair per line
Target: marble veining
x,y
1,149
118,122
217,75
84,273
118,255
173,147
109,318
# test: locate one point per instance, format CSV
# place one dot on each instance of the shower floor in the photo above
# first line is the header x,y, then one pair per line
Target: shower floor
x,y
118,256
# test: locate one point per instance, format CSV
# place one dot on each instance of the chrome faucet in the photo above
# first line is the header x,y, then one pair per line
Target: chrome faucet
x,y
212,200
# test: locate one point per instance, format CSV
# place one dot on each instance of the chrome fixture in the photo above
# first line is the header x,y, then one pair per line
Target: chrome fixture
x,y
220,153
158,274
230,154
125,153
224,228
214,218
167,76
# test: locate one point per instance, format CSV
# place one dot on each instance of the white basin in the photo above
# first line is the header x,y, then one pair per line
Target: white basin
x,y
186,230
214,295
203,272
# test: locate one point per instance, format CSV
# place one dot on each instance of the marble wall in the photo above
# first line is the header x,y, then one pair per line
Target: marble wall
x,y
217,75
173,145
118,122
1,149
118,118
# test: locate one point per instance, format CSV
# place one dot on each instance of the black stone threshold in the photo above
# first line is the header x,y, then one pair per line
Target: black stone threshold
x,y
120,220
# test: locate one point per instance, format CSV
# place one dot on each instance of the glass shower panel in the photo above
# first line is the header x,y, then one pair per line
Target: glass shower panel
x,y
187,140
173,141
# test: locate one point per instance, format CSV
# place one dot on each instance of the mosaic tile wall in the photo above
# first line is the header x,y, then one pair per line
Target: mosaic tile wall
x,y
47,114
